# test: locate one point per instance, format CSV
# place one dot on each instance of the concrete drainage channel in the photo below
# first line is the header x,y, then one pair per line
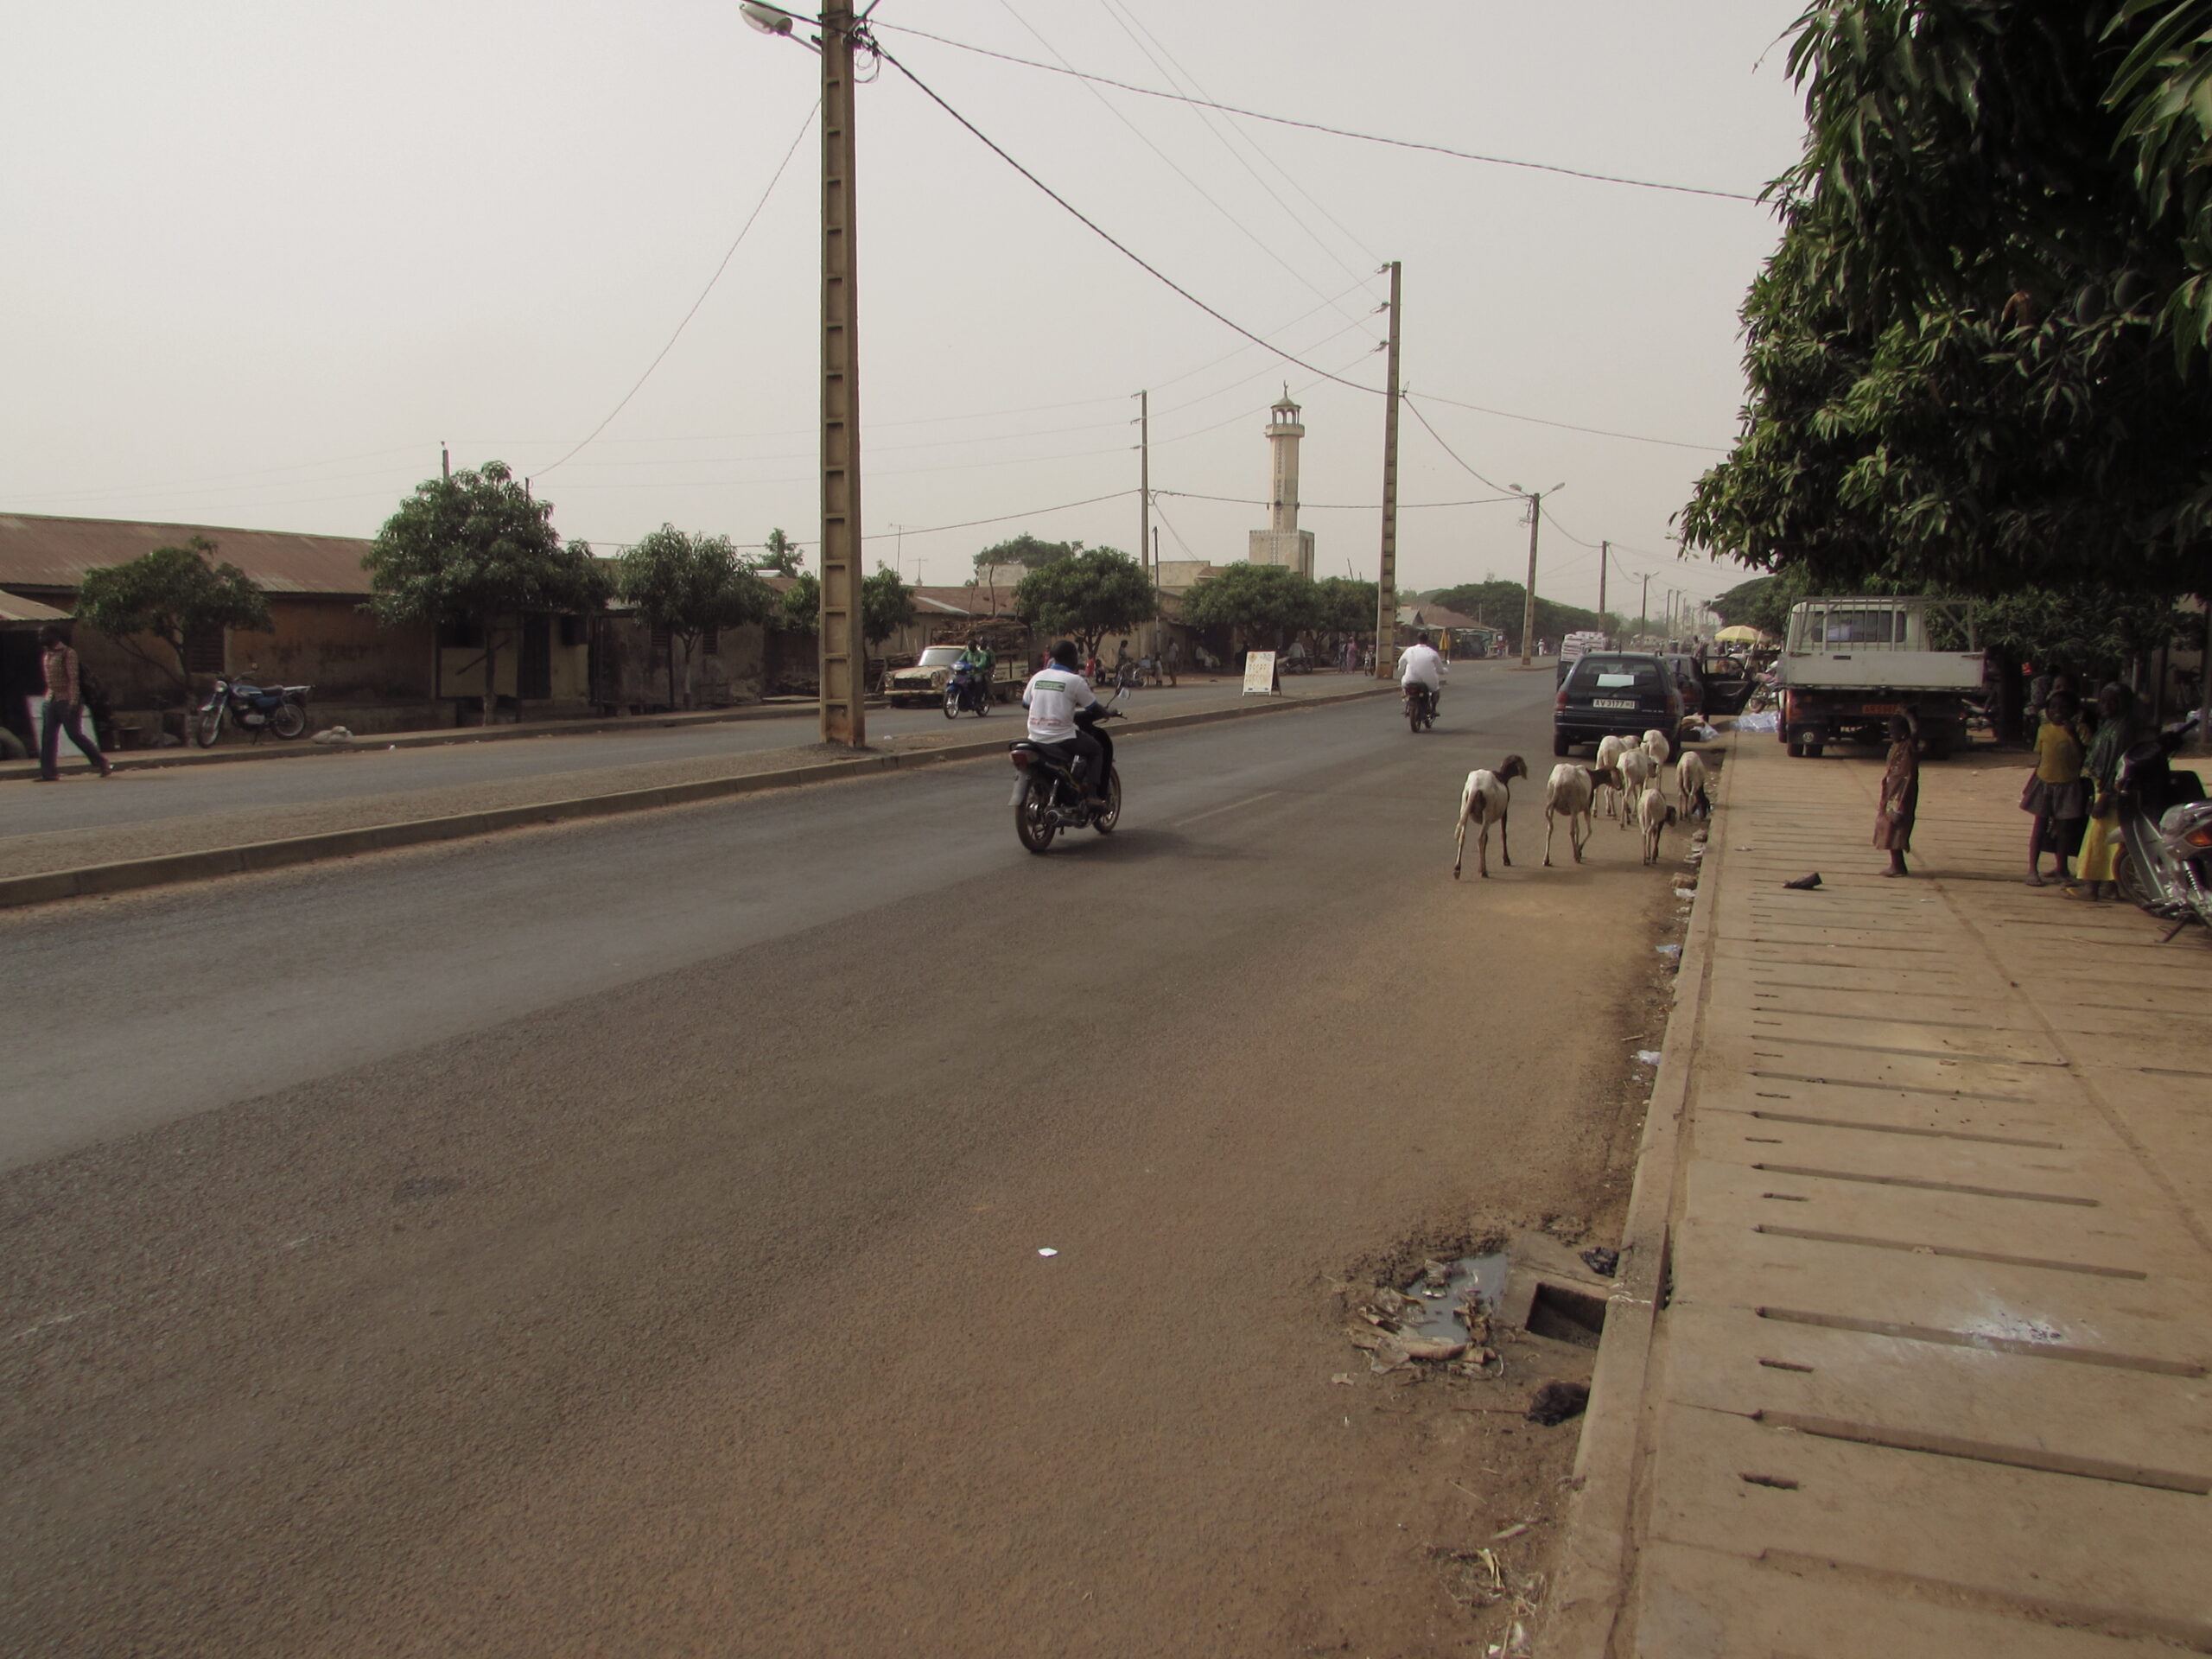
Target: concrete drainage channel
x,y
131,874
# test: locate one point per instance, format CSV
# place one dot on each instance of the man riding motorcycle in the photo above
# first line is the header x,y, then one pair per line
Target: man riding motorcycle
x,y
1056,694
1422,664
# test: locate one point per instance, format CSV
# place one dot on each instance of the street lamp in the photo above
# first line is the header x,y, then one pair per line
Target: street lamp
x,y
844,639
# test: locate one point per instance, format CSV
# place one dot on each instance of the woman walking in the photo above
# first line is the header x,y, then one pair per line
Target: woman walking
x,y
2055,795
2100,843
1900,796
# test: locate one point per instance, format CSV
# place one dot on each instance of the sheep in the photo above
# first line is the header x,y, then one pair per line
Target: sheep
x,y
1654,745
1610,750
1639,772
1570,793
1482,802
1690,781
1655,815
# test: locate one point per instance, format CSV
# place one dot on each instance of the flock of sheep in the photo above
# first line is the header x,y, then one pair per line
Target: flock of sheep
x,y
1624,782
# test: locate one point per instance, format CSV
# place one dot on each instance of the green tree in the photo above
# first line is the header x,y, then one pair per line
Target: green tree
x,y
780,557
688,585
1763,602
1263,601
887,604
475,548
1027,551
1085,596
1502,604
169,595
801,611
1344,605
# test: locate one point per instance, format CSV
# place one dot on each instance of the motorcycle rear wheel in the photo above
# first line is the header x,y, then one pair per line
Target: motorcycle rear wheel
x,y
1032,816
1107,822
289,720
2128,880
208,728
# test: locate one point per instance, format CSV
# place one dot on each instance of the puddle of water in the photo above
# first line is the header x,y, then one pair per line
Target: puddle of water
x,y
1440,1315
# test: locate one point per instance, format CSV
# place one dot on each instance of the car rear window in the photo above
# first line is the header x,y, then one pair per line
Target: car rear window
x,y
1613,674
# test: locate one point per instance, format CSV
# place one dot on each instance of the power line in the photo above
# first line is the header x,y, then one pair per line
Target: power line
x,y
1106,237
1336,506
1407,397
797,139
1569,426
1316,126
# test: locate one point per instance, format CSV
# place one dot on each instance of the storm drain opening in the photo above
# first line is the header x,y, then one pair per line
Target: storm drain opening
x,y
1566,1315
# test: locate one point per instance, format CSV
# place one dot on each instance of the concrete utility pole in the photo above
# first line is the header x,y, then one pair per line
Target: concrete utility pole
x,y
1147,555
844,646
1386,581
1529,605
1643,610
1604,558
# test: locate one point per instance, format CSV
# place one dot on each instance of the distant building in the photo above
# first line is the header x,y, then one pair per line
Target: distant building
x,y
1282,542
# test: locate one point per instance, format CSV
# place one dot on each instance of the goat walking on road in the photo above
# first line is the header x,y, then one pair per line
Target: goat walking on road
x,y
1654,745
1482,802
1610,750
1639,776
1690,783
1656,815
1571,793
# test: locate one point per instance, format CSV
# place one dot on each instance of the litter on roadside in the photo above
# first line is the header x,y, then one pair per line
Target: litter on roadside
x,y
1555,1402
1804,883
1047,1250
1602,1261
1668,949
1685,893
1646,1057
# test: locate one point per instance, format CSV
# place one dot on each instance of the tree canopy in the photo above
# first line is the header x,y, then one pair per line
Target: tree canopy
x,y
1344,605
887,604
780,555
1262,600
688,585
1085,596
170,593
1027,552
475,548
1955,356
1502,604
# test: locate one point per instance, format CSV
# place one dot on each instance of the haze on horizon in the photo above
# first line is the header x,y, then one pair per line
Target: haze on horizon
x,y
265,258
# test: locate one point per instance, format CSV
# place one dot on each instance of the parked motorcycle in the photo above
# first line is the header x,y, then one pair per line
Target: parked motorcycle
x,y
1046,797
1420,708
965,692
2165,827
279,708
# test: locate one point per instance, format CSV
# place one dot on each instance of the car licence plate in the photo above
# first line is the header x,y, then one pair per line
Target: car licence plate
x,y
1612,703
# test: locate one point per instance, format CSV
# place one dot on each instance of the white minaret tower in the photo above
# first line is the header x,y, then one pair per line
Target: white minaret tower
x,y
1282,542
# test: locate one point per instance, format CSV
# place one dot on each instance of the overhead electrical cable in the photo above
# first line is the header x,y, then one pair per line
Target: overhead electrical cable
x,y
1107,237
798,138
1335,506
1569,426
1334,132
1415,409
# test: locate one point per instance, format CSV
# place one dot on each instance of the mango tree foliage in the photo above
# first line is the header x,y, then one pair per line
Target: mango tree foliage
x,y
1085,596
689,585
1264,600
169,595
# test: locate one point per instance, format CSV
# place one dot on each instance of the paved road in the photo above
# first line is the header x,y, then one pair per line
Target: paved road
x,y
625,1238
182,792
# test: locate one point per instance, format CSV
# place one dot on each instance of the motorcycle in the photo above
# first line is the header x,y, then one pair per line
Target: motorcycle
x,y
2165,829
966,693
1046,797
279,708
1421,707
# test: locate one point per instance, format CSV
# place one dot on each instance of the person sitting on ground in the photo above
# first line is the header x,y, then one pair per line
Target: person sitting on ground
x,y
1421,665
2117,732
2055,795
1900,796
1056,694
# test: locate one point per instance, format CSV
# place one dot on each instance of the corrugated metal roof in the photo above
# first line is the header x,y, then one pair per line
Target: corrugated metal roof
x,y
38,551
16,609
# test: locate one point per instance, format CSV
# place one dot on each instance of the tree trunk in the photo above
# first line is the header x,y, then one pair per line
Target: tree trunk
x,y
491,678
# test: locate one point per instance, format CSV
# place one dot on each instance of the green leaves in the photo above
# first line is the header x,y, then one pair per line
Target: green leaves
x,y
1262,598
171,593
688,584
475,546
1085,594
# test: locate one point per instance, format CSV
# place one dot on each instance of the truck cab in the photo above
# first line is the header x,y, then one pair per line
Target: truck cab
x,y
1849,661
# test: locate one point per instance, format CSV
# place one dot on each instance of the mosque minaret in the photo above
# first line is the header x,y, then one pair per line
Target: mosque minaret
x,y
1282,542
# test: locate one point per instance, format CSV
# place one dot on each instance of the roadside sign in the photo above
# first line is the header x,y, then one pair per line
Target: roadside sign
x,y
1260,674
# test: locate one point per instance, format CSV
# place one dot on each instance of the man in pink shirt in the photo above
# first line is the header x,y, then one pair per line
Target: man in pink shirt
x,y
64,710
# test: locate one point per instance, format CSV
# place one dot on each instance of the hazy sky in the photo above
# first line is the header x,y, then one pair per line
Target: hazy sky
x,y
261,257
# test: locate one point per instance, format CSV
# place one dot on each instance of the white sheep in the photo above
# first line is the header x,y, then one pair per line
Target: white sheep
x,y
1655,746
1656,815
1610,750
1639,772
1482,802
1690,781
1570,793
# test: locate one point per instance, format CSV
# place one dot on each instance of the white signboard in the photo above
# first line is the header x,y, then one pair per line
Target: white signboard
x,y
1259,673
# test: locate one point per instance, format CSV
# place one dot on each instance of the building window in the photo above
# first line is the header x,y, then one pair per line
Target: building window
x,y
710,642
572,631
660,658
203,651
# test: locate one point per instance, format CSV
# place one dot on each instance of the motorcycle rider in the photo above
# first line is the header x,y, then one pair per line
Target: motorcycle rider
x,y
1422,664
1056,694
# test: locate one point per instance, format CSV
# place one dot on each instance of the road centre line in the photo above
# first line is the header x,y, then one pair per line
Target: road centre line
x,y
1264,794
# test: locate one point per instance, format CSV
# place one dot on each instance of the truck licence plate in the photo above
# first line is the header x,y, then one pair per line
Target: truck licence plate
x,y
1882,708
1612,703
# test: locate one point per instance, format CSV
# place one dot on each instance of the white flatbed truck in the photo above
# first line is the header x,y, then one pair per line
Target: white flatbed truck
x,y
1848,663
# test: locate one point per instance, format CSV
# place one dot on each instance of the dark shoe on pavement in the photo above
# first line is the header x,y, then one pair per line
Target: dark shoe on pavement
x,y
1805,883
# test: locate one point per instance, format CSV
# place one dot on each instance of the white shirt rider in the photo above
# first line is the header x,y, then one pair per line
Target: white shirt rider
x,y
1053,697
1421,665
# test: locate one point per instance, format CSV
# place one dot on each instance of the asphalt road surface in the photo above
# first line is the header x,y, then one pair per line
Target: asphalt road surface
x,y
632,1237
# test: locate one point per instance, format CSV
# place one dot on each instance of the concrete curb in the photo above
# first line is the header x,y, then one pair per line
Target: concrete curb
x,y
1597,1553
170,868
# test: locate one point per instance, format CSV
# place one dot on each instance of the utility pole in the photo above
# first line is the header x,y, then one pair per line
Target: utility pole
x,y
1386,581
1146,553
1604,558
1644,609
1529,605
844,647
1159,637
445,462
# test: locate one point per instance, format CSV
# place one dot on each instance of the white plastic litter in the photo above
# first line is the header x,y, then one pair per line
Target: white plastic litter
x,y
1685,893
1646,1057
1047,1251
1768,721
1668,949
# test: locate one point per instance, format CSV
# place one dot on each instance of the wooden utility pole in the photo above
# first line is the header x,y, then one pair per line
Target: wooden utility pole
x,y
1529,599
1147,555
845,644
1604,558
1386,584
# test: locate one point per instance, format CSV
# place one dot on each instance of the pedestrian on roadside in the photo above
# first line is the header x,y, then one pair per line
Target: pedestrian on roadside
x,y
2055,795
1900,796
2117,732
64,710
